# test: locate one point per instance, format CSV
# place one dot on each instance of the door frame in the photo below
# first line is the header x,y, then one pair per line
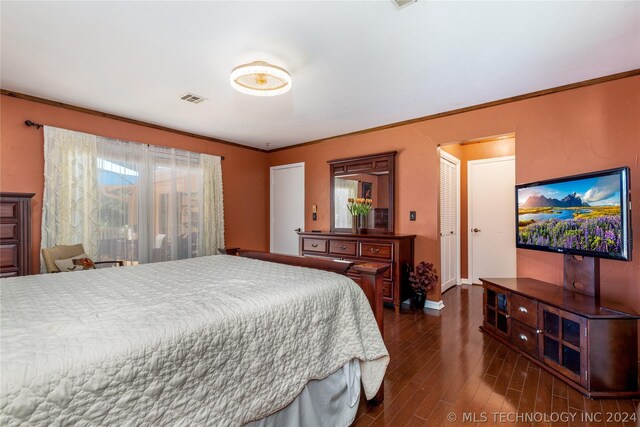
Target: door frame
x,y
470,207
271,183
456,161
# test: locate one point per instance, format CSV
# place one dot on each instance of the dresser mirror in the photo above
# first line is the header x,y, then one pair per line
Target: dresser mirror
x,y
370,177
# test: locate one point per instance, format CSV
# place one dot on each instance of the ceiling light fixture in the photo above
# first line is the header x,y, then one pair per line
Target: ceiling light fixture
x,y
260,79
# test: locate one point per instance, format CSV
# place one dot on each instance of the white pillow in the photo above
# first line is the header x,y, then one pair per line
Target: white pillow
x,y
67,264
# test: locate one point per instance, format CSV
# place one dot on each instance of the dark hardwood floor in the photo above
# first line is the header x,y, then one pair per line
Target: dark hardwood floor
x,y
444,371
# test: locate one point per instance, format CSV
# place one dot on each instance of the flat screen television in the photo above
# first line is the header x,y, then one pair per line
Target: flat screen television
x,y
588,214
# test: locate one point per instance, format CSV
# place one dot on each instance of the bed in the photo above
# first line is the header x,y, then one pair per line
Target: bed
x,y
220,340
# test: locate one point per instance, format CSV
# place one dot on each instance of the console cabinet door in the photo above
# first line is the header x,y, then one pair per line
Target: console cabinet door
x,y
563,343
496,309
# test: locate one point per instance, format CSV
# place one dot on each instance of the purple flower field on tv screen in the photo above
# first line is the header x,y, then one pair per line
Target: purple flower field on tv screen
x,y
601,234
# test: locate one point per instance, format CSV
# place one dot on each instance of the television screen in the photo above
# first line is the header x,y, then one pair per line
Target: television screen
x,y
584,215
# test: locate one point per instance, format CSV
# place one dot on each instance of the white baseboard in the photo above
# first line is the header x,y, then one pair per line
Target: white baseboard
x,y
465,282
431,305
434,305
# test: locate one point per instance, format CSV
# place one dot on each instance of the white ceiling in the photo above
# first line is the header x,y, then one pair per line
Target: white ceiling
x,y
355,65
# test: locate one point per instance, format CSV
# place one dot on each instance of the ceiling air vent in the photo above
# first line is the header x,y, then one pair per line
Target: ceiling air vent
x,y
194,99
401,3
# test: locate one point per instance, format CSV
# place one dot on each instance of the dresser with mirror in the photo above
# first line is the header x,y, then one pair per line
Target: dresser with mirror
x,y
370,177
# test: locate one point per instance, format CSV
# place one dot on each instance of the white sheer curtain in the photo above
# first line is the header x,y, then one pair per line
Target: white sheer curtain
x,y
213,207
344,189
70,201
150,203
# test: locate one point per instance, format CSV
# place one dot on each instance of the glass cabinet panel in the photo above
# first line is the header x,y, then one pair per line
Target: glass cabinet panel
x,y
551,349
496,310
491,317
563,343
491,298
502,302
551,323
571,332
502,323
571,359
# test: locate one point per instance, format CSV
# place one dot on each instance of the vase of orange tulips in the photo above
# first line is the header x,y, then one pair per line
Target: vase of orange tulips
x,y
359,208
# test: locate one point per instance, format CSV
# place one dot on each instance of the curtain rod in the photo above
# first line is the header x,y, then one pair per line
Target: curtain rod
x,y
38,126
35,125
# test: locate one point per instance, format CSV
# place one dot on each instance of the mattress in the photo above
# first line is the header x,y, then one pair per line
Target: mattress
x,y
208,341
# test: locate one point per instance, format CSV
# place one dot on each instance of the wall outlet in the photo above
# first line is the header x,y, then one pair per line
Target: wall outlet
x,y
412,215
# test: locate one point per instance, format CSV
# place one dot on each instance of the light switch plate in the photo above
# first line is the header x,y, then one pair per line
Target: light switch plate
x,y
412,215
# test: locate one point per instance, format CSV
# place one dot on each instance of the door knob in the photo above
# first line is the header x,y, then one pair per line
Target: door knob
x,y
297,230
475,230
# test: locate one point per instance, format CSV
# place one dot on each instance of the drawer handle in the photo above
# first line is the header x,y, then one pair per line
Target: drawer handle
x,y
523,310
342,248
523,337
314,245
374,250
538,331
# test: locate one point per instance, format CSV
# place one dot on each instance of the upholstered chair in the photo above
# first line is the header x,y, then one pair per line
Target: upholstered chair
x,y
67,252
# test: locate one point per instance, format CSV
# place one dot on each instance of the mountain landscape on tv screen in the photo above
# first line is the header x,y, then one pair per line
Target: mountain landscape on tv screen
x,y
570,201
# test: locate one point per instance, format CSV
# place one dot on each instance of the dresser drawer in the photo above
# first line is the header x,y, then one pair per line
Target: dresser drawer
x,y
342,247
314,245
376,250
524,337
9,210
9,231
9,255
387,289
524,310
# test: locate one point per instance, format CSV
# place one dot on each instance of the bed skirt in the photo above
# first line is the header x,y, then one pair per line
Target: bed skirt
x,y
332,401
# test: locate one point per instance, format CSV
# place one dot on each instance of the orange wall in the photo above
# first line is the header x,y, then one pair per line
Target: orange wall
x,y
466,152
22,163
565,133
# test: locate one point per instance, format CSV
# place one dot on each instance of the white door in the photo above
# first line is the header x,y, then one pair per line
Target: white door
x,y
287,207
449,220
492,226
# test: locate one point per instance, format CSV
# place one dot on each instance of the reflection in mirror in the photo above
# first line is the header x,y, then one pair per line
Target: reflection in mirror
x,y
344,189
372,186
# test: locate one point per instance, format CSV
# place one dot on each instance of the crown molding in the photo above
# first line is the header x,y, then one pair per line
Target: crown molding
x,y
19,95
577,85
530,95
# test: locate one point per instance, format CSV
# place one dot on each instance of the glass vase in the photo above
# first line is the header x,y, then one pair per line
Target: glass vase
x,y
362,224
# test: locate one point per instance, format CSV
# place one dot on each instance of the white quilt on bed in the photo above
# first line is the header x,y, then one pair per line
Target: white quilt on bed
x,y
209,341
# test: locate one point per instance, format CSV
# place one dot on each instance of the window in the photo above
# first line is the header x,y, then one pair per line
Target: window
x,y
130,201
344,189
